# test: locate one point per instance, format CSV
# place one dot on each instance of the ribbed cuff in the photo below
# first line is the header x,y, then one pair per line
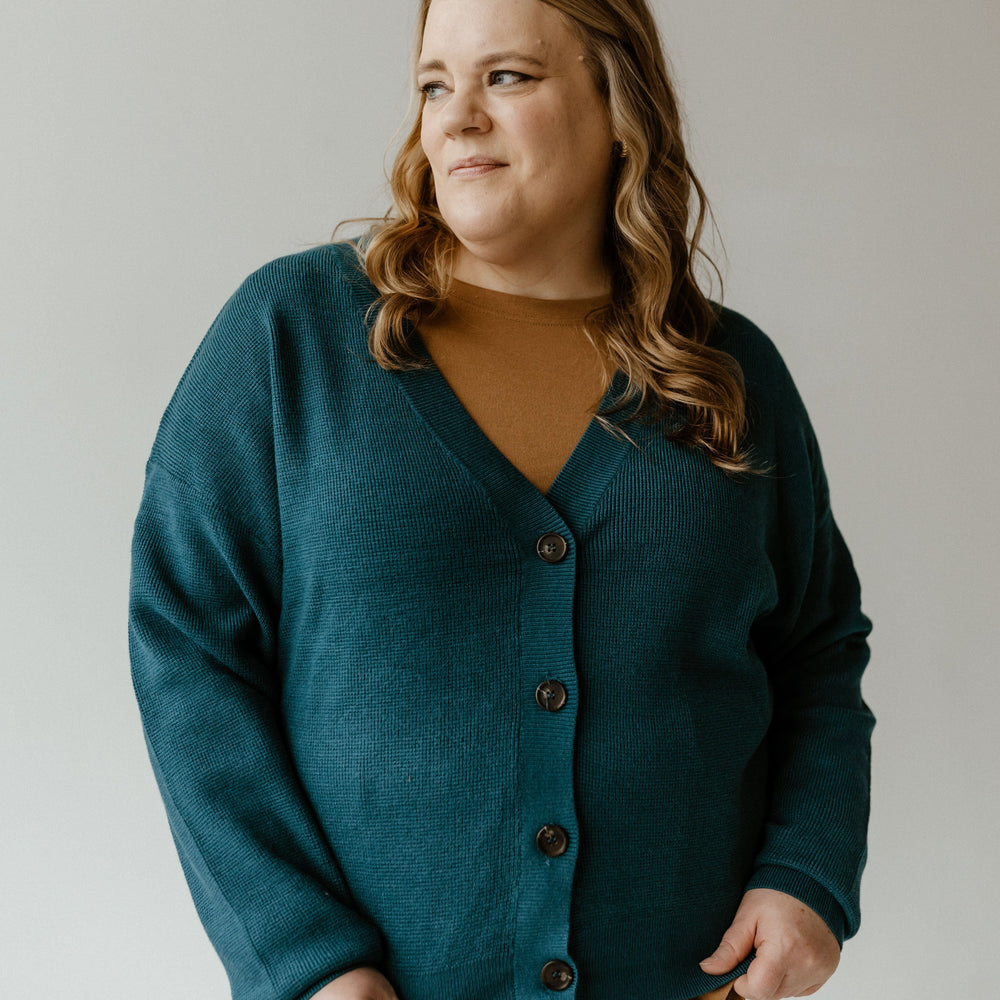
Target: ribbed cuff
x,y
326,980
805,889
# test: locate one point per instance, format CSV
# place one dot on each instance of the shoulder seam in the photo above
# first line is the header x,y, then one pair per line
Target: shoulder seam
x,y
213,505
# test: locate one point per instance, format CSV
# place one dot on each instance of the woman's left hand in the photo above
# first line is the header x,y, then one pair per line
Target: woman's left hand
x,y
796,951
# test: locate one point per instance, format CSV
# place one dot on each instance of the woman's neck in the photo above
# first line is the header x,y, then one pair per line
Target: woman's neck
x,y
536,279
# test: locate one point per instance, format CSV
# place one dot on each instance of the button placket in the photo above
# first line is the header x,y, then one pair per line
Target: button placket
x,y
546,761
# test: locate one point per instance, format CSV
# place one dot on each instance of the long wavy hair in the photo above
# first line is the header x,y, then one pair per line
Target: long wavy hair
x,y
658,324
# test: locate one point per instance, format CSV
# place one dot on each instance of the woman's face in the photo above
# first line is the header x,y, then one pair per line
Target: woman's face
x,y
517,135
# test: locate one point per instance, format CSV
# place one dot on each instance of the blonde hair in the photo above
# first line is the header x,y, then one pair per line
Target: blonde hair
x,y
657,326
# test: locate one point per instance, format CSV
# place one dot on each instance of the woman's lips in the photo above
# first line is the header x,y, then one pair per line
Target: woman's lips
x,y
474,166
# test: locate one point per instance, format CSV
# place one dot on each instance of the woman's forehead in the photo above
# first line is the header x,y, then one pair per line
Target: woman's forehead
x,y
530,27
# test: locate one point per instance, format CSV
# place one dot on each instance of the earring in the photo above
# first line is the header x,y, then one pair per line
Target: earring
x,y
622,148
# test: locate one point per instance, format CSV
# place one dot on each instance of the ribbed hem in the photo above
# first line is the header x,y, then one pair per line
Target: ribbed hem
x,y
805,889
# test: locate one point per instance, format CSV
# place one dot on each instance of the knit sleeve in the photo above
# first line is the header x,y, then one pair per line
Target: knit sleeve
x,y
814,646
204,611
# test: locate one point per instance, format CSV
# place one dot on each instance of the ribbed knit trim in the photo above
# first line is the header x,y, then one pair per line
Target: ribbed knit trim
x,y
468,300
805,889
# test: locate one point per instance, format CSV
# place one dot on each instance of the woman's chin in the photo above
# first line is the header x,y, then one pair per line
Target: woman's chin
x,y
488,243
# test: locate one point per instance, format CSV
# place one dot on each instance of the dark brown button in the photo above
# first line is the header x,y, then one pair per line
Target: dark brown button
x,y
557,975
552,547
552,840
550,695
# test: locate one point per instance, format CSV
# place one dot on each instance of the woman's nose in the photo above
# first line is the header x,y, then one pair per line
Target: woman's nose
x,y
464,113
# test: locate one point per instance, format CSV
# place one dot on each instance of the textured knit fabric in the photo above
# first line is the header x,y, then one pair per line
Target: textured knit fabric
x,y
339,619
523,369
722,993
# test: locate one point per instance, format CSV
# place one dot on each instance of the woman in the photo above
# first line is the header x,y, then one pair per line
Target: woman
x,y
454,689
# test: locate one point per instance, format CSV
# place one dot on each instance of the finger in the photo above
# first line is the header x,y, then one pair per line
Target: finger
x,y
764,980
733,948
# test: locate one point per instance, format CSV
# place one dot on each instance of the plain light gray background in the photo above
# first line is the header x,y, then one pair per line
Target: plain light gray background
x,y
155,153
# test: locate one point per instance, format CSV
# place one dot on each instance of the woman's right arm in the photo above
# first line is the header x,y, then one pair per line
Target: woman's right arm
x,y
204,610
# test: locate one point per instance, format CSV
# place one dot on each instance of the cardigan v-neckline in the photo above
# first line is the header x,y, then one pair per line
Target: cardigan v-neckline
x,y
584,477
582,480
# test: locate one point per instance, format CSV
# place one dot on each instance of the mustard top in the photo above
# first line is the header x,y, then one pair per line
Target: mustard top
x,y
524,370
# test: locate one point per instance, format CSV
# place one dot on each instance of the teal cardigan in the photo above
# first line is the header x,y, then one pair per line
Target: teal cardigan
x,y
346,604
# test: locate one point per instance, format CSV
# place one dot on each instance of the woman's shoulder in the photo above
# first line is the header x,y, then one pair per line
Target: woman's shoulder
x,y
290,302
768,380
283,316
740,337
330,271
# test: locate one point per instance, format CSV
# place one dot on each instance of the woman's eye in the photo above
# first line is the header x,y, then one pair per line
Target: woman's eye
x,y
507,77
432,90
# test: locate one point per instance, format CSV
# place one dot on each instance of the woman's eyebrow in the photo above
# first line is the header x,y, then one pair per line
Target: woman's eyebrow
x,y
437,65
